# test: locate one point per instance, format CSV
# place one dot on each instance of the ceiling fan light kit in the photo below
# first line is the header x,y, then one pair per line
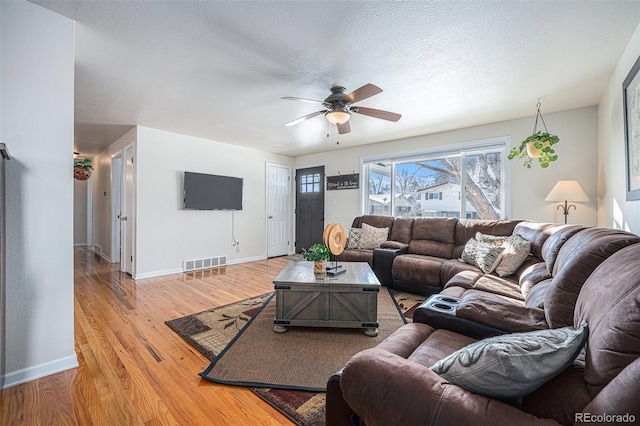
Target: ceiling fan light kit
x,y
337,117
338,107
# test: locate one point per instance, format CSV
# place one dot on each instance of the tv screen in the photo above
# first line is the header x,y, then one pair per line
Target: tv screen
x,y
212,192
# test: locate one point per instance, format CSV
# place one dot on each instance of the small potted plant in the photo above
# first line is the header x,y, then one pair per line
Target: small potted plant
x,y
82,168
538,146
318,254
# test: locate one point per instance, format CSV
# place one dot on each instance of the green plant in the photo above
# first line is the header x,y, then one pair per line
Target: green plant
x,y
317,252
82,162
543,143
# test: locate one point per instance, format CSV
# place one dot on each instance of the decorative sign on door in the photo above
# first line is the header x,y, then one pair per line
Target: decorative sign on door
x,y
351,181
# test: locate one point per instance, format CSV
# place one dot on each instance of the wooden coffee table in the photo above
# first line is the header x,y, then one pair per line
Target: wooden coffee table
x,y
348,300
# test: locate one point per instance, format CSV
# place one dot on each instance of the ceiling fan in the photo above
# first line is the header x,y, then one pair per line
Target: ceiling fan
x,y
338,107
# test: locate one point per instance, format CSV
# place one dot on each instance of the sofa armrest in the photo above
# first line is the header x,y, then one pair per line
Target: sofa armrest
x,y
439,320
384,389
494,311
337,411
382,264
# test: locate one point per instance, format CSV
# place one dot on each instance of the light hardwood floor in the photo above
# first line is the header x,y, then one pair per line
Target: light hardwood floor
x,y
134,370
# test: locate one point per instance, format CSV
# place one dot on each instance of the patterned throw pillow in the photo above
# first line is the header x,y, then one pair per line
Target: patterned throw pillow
x,y
372,237
353,242
516,251
496,240
483,255
513,365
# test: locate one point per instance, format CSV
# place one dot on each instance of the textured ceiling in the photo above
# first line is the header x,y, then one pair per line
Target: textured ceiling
x,y
217,69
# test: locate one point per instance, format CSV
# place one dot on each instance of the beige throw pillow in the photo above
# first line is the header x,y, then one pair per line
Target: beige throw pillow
x,y
516,251
513,365
372,237
483,255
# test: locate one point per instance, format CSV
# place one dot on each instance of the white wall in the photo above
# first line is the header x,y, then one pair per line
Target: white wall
x,y
102,193
527,188
80,188
36,123
613,209
165,233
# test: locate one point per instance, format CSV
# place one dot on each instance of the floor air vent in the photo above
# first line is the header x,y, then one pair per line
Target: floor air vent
x,y
205,263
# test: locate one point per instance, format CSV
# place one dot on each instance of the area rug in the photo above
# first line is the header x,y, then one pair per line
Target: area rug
x,y
211,331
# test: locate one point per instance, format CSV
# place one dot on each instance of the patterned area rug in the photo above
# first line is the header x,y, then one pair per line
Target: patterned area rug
x,y
211,332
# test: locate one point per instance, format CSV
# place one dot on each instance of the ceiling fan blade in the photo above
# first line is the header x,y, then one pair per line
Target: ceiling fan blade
x,y
304,118
344,128
377,113
293,98
364,92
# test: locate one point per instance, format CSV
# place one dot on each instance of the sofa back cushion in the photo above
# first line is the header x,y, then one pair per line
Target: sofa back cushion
x,y
576,260
467,228
559,235
535,232
609,302
433,236
401,230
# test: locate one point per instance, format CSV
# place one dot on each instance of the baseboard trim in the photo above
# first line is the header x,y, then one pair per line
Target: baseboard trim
x,y
38,371
172,271
245,260
157,273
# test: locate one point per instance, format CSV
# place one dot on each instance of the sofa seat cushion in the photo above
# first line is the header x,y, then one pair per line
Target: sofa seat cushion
x,y
560,398
489,283
497,285
418,269
452,267
356,255
440,344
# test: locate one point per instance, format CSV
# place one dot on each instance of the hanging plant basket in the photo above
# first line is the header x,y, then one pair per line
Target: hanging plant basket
x,y
538,146
82,169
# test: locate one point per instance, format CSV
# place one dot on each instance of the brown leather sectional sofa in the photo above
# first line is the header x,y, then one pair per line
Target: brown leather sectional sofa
x,y
573,273
392,384
424,259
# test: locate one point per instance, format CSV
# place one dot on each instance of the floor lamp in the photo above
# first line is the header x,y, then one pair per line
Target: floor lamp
x,y
567,190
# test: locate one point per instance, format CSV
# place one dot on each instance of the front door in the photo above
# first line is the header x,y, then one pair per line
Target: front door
x,y
278,201
309,207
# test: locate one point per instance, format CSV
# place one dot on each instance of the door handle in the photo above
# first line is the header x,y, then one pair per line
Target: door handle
x,y
270,217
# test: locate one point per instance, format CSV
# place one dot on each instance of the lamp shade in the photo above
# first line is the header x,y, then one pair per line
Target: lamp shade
x,y
337,117
567,190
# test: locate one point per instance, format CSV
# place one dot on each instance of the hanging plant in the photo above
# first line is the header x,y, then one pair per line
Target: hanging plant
x,y
82,168
537,146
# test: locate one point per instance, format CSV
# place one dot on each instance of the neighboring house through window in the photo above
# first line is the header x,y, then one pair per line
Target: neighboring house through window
x,y
463,181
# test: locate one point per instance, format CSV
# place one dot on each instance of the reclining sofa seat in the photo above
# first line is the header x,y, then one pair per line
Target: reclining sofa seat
x,y
435,247
392,384
545,295
366,255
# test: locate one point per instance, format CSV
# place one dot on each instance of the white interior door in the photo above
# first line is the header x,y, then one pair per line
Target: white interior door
x,y
116,207
278,202
127,215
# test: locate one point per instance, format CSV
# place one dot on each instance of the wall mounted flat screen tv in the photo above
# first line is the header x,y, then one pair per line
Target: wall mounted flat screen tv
x,y
212,192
